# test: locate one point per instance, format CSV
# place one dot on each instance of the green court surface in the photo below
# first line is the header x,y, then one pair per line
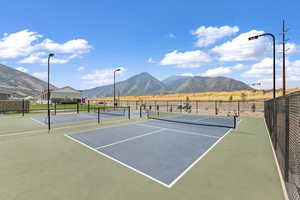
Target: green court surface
x,y
35,164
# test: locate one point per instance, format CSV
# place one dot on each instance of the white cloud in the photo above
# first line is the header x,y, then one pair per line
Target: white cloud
x,y
188,59
186,74
209,35
241,49
219,71
25,43
77,46
81,68
18,44
42,58
263,71
150,60
22,69
172,35
40,75
238,66
260,69
100,77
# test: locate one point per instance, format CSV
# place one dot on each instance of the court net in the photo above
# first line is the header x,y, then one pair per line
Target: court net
x,y
216,121
112,111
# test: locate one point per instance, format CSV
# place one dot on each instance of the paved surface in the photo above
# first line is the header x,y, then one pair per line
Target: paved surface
x,y
162,151
68,118
39,165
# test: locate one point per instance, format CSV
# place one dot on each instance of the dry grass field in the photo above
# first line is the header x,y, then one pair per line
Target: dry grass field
x,y
204,96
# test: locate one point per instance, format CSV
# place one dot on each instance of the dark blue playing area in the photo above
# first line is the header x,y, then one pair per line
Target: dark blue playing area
x,y
162,151
70,118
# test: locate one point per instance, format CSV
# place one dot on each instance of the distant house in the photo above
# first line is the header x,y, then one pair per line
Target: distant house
x,y
63,95
4,96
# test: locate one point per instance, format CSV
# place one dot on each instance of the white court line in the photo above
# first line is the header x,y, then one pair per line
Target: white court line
x,y
131,138
38,121
121,163
180,131
282,182
196,161
142,173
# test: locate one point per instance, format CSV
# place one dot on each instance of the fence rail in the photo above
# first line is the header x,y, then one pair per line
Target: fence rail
x,y
283,121
241,108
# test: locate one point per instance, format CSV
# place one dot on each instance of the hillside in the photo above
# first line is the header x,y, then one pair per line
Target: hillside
x,y
145,84
205,96
19,83
187,84
141,84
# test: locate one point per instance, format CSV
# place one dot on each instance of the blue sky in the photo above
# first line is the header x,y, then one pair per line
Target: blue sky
x,y
90,38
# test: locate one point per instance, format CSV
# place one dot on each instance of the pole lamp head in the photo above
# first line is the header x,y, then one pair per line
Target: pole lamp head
x,y
117,70
51,54
253,37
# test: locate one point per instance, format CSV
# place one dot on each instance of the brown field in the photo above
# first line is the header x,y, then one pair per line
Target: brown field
x,y
204,96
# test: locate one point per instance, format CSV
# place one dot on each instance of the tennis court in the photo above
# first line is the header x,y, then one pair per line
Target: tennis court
x,y
97,114
158,149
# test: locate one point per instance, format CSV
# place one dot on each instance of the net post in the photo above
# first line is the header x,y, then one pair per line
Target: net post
x,y
287,139
234,121
88,105
171,109
216,108
140,111
23,107
77,107
157,110
98,111
129,112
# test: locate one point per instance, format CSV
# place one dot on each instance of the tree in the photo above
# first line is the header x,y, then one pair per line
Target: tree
x,y
243,96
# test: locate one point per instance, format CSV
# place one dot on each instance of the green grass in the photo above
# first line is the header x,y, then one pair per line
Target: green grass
x,y
41,165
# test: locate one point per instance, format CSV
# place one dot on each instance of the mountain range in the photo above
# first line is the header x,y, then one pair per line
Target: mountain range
x,y
145,84
20,84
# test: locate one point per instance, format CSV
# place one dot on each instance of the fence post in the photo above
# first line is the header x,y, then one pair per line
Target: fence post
x,y
287,139
216,108
77,107
167,106
275,123
129,112
197,106
88,105
23,107
238,108
54,107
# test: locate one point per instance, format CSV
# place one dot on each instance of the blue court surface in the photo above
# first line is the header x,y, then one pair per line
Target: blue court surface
x,y
162,151
69,118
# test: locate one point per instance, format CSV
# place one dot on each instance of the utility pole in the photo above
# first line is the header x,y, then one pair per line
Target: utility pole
x,y
283,58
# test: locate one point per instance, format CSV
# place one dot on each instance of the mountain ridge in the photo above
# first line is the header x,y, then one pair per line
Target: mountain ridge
x,y
20,84
145,84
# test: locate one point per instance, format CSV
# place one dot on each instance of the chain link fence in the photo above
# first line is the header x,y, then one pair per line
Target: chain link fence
x,y
283,121
241,108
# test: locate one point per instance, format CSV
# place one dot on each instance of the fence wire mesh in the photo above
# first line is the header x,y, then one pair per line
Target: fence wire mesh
x,y
283,121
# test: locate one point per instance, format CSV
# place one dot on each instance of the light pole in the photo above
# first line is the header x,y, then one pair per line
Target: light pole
x,y
274,82
273,37
116,70
48,95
